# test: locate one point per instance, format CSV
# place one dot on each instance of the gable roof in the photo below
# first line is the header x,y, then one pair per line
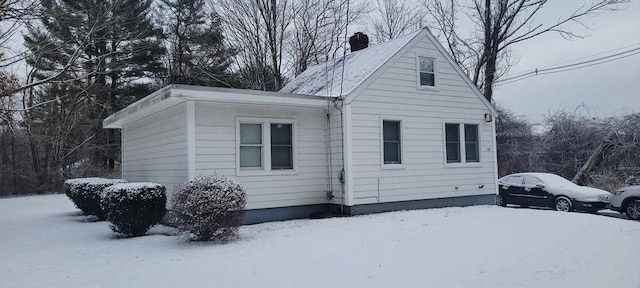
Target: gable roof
x,y
360,66
326,79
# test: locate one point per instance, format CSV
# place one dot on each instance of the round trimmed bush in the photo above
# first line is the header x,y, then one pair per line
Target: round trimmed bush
x,y
133,208
85,193
209,207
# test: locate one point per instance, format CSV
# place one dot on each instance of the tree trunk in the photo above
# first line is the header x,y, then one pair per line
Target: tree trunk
x,y
595,158
13,162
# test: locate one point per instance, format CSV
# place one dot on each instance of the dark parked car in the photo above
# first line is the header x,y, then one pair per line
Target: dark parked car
x,y
549,190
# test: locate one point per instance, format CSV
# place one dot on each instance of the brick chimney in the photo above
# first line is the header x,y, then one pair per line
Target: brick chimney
x,y
358,41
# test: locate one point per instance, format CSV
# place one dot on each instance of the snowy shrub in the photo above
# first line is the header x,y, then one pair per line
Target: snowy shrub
x,y
210,208
132,208
85,193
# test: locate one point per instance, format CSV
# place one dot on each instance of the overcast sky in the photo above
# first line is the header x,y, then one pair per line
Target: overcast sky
x,y
605,90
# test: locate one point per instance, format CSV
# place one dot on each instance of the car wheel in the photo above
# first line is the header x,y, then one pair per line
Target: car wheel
x,y
563,204
633,209
501,201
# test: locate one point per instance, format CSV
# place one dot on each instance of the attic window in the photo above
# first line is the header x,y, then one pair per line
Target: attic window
x,y
427,72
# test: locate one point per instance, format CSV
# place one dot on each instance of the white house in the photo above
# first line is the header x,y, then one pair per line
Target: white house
x,y
394,126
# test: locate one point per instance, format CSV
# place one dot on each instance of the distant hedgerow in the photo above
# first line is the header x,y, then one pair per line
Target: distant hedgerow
x,y
133,208
85,193
209,207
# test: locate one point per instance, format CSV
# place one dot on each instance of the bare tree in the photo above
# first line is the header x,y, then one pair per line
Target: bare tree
x,y
13,15
616,161
515,142
259,29
393,18
484,53
318,30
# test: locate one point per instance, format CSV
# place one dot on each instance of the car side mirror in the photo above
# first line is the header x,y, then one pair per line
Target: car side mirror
x,y
540,186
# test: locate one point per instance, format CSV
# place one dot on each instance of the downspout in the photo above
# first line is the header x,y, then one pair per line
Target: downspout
x,y
338,105
495,156
345,114
329,154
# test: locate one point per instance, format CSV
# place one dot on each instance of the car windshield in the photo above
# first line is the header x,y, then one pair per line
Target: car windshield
x,y
555,180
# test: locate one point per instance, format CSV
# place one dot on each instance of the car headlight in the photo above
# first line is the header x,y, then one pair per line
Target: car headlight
x,y
604,197
616,193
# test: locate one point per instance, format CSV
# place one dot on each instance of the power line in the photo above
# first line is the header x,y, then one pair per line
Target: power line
x,y
588,56
582,64
570,67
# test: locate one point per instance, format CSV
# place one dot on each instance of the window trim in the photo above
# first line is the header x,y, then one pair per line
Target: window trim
x,y
402,143
477,141
272,145
436,79
266,146
262,145
459,142
463,153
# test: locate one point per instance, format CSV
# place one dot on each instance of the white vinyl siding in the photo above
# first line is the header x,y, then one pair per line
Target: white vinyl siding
x,y
154,149
396,93
216,126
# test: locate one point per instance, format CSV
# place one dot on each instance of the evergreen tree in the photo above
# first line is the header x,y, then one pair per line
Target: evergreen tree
x,y
197,52
108,51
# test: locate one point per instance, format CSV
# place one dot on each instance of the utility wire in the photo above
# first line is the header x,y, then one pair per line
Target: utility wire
x,y
585,57
568,68
344,50
582,64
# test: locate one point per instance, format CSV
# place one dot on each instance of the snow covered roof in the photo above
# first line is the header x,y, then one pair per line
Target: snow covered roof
x,y
326,79
176,93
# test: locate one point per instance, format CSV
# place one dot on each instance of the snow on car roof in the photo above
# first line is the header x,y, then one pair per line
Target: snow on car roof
x,y
547,178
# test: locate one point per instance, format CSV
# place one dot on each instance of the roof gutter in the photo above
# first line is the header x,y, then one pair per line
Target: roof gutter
x,y
175,94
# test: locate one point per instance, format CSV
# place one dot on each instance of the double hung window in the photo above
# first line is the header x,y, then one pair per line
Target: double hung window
x,y
462,143
266,145
392,148
427,72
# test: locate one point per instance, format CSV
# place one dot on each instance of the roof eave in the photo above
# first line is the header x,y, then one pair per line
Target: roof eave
x,y
240,96
175,94
119,119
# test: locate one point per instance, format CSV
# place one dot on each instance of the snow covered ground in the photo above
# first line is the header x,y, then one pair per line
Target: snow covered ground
x,y
44,242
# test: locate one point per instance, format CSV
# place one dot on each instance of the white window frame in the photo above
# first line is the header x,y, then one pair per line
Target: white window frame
x,y
266,147
262,144
435,73
402,145
463,153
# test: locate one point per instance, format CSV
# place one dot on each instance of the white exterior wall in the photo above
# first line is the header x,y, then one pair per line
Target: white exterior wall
x,y
423,175
216,154
154,148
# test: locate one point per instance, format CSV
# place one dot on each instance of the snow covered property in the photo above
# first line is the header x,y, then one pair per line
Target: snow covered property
x,y
45,242
393,126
